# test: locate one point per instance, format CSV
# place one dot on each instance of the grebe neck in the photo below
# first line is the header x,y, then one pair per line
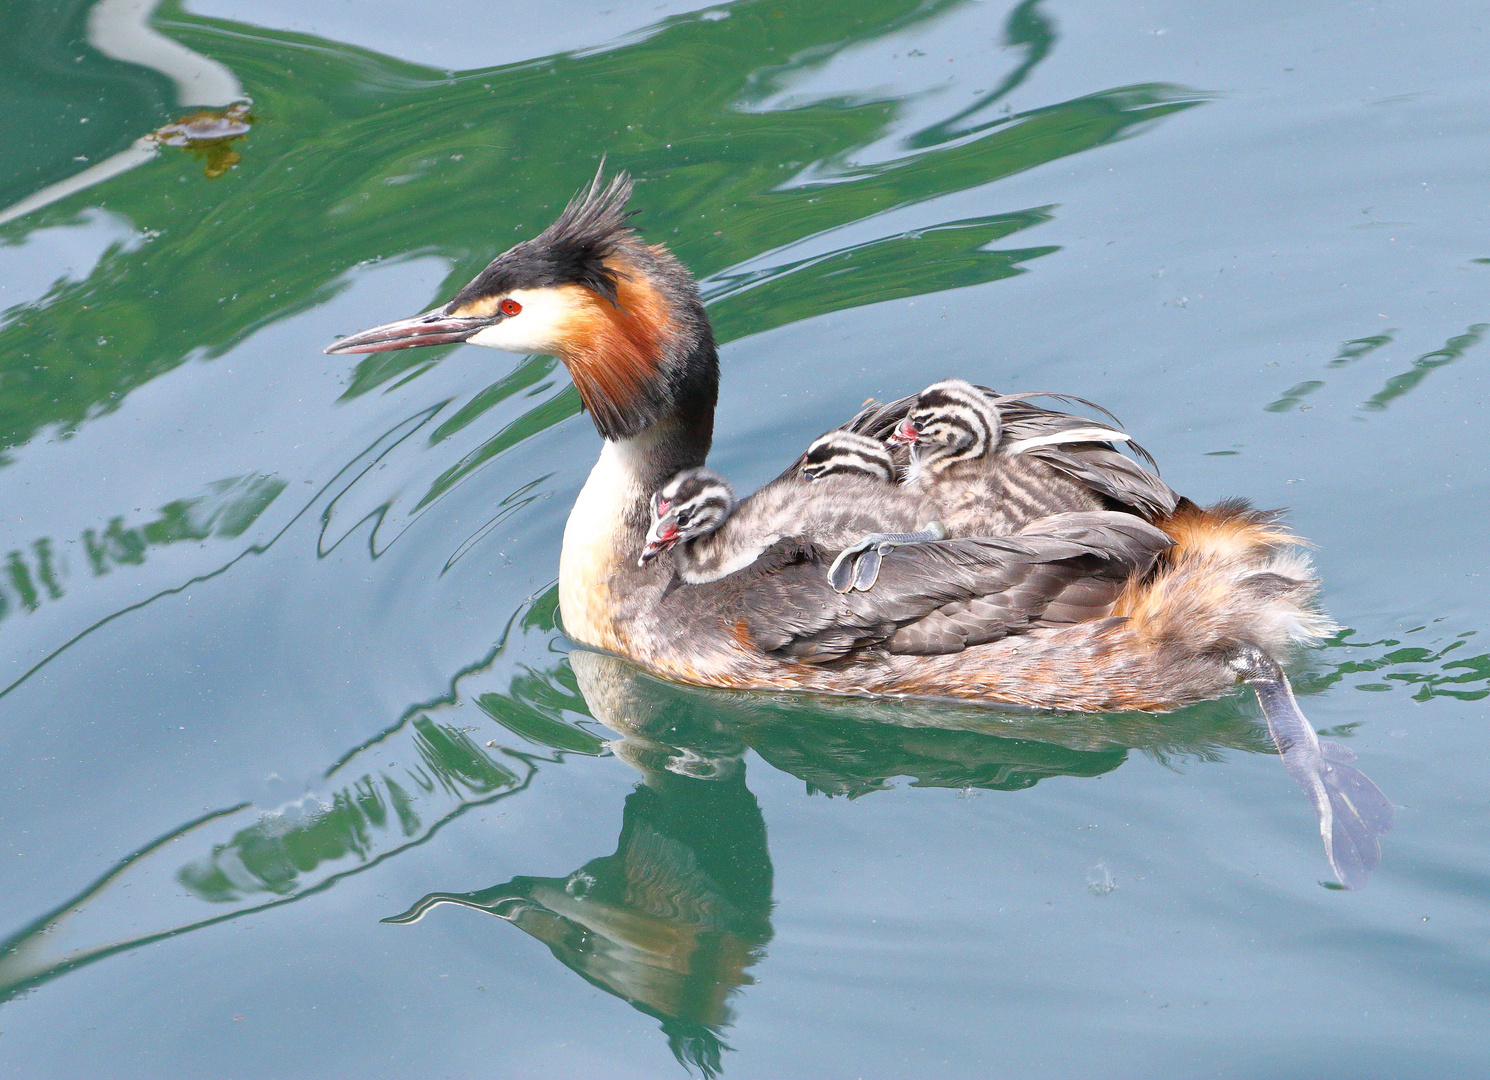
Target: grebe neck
x,y
607,528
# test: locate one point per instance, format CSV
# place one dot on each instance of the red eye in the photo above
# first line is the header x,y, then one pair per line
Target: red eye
x,y
509,307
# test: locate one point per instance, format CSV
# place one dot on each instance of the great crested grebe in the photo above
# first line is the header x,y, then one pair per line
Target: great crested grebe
x,y
1209,597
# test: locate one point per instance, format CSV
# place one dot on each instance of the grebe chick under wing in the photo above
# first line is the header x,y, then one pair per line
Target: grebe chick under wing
x,y
995,462
841,494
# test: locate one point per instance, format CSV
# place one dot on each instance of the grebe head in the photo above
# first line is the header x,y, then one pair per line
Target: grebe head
x,y
693,503
624,316
844,453
949,422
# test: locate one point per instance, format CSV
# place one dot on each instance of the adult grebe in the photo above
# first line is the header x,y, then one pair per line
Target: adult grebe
x,y
963,618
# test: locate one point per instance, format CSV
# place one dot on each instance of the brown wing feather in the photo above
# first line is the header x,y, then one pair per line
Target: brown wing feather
x,y
1052,592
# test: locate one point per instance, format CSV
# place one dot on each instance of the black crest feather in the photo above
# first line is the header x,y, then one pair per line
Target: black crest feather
x,y
571,251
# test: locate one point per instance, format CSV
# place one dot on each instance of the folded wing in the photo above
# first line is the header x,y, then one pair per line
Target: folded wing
x,y
943,596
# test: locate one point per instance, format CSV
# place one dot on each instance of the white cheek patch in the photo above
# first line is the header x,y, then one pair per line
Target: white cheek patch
x,y
538,328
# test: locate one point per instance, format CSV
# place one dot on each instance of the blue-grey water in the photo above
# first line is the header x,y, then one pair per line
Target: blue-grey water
x,y
277,643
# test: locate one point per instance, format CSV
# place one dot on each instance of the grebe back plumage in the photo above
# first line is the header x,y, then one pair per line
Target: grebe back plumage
x,y
992,473
843,492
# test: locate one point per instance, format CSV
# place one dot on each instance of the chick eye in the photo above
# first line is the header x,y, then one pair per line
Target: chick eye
x,y
683,519
509,307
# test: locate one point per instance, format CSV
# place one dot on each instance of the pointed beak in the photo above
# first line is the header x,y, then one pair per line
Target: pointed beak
x,y
658,541
431,328
907,434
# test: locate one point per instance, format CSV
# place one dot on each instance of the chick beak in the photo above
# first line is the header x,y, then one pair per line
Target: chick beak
x,y
907,434
663,537
432,328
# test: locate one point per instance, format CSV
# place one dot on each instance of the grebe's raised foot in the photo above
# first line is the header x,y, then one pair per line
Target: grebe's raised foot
x,y
1206,597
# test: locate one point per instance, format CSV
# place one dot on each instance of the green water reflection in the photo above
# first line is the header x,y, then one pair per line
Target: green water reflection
x,y
51,80
1397,385
225,511
354,177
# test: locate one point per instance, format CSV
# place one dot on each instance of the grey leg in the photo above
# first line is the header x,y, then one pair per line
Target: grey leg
x,y
858,565
1352,811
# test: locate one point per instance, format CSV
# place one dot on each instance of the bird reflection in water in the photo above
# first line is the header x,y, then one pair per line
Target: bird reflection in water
x,y
672,921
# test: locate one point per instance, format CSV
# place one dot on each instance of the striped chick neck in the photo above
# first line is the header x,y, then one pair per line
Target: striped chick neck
x,y
694,503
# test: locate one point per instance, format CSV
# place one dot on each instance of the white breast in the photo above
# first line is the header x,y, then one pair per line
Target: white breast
x,y
593,536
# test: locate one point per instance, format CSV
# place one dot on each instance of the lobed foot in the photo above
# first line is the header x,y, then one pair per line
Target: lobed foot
x,y
858,565
1352,811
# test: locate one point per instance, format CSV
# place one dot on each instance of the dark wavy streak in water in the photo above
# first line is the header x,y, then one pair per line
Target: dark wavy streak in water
x,y
398,789
389,794
1396,385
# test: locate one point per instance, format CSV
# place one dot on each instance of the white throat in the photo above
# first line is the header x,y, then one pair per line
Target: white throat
x,y
594,538
915,470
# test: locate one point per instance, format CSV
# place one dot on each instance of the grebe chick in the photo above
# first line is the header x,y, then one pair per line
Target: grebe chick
x,y
949,424
990,478
848,494
1019,450
692,504
844,453
841,452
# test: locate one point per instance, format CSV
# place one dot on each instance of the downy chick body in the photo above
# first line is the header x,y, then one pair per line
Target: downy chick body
x,y
849,492
979,482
